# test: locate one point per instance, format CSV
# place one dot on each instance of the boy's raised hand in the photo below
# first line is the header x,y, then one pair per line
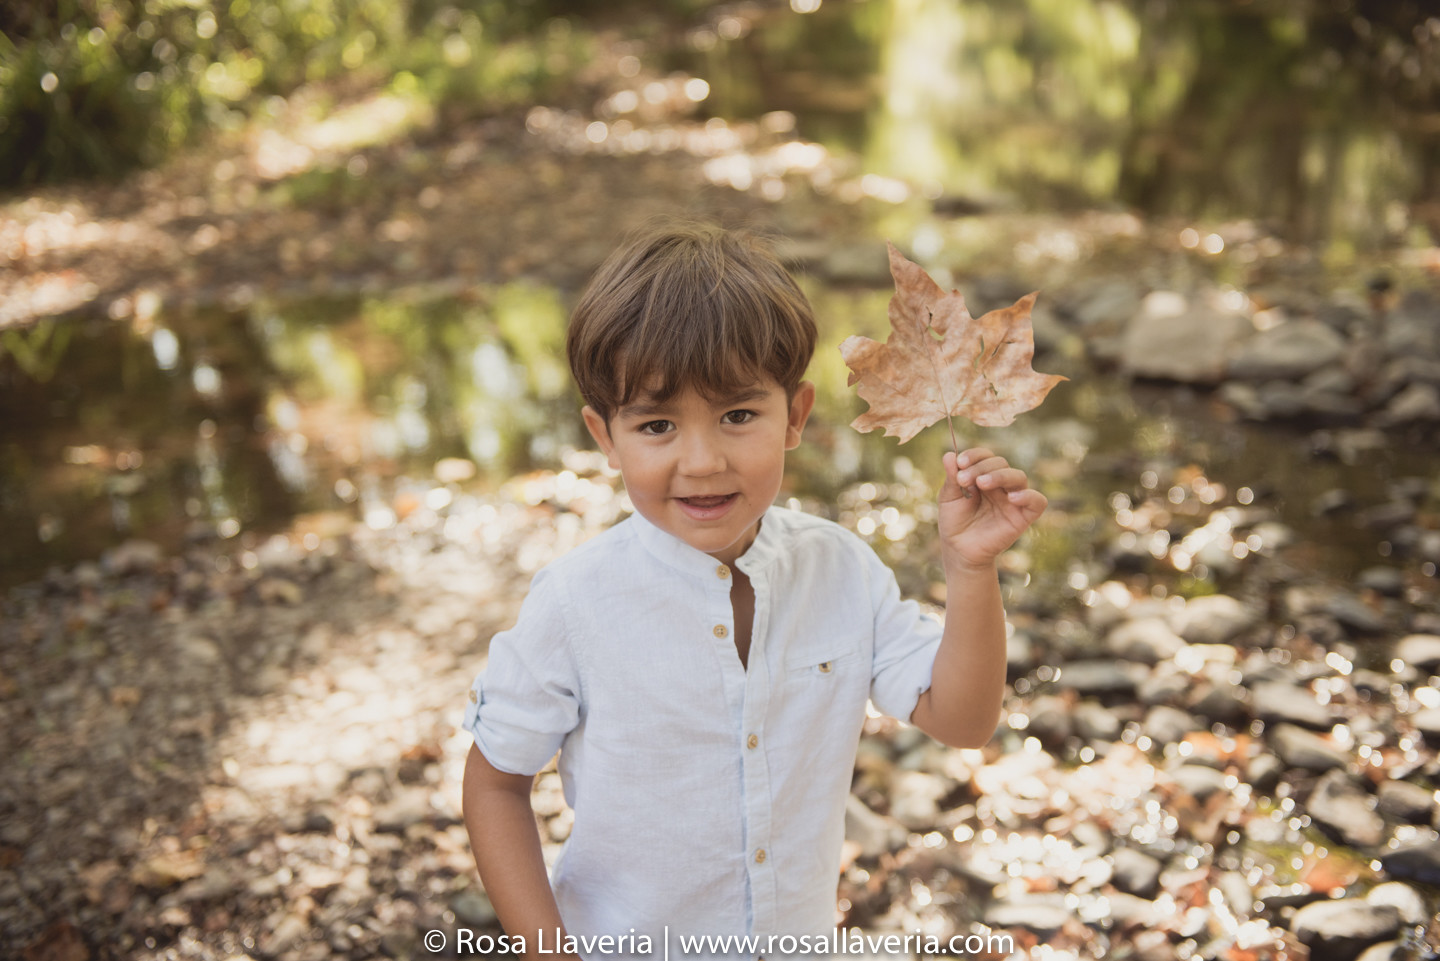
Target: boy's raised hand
x,y
985,505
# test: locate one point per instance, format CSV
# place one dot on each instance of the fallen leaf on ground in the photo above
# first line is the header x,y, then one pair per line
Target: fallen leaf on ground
x,y
939,361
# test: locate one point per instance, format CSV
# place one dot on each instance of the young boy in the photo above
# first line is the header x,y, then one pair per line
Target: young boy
x,y
703,667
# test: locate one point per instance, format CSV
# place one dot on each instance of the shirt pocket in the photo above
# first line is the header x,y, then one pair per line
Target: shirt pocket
x,y
824,659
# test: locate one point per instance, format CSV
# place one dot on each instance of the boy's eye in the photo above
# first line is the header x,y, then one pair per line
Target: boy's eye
x,y
654,427
738,416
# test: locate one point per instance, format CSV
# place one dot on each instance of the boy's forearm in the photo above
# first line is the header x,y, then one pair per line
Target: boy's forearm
x,y
967,687
506,845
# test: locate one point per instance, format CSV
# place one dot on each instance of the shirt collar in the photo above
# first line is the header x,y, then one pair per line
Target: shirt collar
x,y
672,551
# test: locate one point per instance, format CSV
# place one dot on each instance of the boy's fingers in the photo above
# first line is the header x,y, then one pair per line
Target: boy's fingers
x,y
987,466
1009,479
974,455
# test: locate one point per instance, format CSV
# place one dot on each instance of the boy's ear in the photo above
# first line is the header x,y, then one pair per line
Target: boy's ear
x,y
600,430
800,407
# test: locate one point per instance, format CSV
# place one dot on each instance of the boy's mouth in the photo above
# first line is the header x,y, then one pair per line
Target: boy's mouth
x,y
709,506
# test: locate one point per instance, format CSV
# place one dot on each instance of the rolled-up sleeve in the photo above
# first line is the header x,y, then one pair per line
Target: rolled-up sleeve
x,y
527,698
906,639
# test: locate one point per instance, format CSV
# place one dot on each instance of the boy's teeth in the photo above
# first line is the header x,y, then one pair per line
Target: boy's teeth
x,y
713,501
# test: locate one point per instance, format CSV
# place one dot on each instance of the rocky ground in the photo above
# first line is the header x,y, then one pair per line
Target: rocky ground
x,y
257,755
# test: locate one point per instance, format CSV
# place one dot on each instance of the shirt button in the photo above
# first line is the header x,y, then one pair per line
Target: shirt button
x,y
720,631
760,856
473,698
752,742
722,572
824,667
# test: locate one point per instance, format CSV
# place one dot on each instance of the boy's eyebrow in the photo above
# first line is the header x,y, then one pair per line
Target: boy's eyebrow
x,y
649,406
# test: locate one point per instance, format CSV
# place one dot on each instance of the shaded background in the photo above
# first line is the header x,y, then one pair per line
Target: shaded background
x,y
285,425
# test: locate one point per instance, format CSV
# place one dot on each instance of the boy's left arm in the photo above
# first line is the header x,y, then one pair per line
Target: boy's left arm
x,y
985,505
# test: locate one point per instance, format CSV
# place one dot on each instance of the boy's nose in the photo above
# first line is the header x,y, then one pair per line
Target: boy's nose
x,y
699,456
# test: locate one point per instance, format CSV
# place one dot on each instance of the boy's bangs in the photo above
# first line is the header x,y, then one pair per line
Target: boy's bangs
x,y
698,333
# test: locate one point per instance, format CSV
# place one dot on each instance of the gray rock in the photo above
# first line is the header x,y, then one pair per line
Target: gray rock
x,y
1162,687
1406,802
1173,339
1168,725
1389,581
1148,640
1199,781
472,907
1100,677
1221,701
1340,930
1263,772
1095,722
1276,702
1345,811
1287,352
1239,895
1384,951
135,556
915,799
875,833
1416,403
1421,650
1413,327
1305,750
1050,720
1107,305
1427,722
1044,917
1352,612
1417,860
1215,619
1127,910
1403,898
1136,872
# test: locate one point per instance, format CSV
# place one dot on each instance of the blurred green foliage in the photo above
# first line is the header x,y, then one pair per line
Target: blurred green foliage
x,y
93,87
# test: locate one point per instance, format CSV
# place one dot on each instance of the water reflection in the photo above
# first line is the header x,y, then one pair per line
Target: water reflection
x,y
316,414
218,422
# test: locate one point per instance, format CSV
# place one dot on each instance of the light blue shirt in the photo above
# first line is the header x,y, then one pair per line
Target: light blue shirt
x,y
709,798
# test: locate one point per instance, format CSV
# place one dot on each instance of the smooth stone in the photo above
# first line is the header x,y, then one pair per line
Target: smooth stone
x,y
1420,650
1148,640
1050,719
1172,339
1044,918
1406,802
1354,614
1095,722
1345,811
875,833
1136,872
1389,581
1340,930
1101,677
1223,702
1288,352
1168,725
1199,781
1276,702
1416,403
1264,772
1403,898
473,907
1214,619
1417,860
1305,750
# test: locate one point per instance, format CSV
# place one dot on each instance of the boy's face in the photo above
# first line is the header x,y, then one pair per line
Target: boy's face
x,y
705,471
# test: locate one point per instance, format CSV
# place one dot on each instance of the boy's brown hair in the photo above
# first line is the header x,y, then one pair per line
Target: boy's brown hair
x,y
688,305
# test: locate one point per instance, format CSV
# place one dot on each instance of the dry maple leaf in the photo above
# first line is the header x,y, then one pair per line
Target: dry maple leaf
x,y
939,361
